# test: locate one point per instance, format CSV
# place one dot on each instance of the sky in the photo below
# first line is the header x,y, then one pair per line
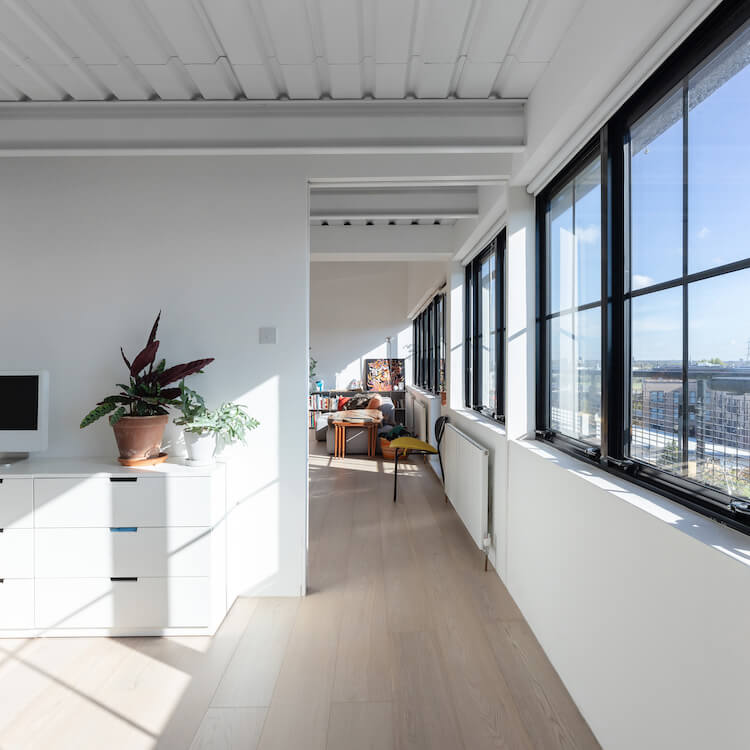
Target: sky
x,y
718,226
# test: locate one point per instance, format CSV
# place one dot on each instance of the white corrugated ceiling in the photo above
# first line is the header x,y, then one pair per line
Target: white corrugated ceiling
x,y
276,49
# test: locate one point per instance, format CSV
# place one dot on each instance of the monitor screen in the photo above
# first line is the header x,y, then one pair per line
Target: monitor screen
x,y
19,402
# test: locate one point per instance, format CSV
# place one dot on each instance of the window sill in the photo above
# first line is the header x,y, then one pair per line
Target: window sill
x,y
497,428
420,392
721,538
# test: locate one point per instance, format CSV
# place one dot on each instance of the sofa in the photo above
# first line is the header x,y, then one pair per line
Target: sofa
x,y
356,438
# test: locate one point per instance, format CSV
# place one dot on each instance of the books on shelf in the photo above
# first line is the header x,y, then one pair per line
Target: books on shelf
x,y
320,402
328,401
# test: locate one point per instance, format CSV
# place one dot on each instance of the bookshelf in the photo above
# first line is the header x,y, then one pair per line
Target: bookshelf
x,y
322,402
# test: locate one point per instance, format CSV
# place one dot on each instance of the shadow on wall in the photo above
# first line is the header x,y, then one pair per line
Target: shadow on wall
x,y
353,308
339,374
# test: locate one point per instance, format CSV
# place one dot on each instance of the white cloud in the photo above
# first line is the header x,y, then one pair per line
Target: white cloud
x,y
589,234
703,232
640,281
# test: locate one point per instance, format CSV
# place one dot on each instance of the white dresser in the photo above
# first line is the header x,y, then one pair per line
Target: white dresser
x,y
90,548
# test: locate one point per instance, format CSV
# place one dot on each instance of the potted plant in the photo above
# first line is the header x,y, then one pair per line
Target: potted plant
x,y
138,413
203,427
313,367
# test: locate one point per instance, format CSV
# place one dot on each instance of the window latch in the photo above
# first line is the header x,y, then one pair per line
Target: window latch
x,y
543,434
740,506
621,463
592,453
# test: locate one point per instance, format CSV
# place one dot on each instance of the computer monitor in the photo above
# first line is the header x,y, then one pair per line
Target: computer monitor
x,y
24,407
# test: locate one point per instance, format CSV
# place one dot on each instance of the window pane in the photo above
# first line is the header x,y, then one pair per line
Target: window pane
x,y
719,379
588,235
719,158
469,347
560,252
575,374
656,194
487,348
574,249
656,379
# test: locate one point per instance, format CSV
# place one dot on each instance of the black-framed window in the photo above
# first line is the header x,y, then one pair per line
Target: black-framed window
x,y
484,319
571,307
664,284
429,346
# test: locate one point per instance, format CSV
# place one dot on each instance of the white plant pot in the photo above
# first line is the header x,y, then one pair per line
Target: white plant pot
x,y
200,448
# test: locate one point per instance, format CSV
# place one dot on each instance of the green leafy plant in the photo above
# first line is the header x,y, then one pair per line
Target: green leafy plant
x,y
230,422
146,394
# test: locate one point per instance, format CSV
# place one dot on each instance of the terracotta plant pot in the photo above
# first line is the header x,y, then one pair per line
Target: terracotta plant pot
x,y
386,450
140,437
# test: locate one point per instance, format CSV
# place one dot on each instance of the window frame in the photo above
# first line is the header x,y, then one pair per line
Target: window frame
x,y
429,345
473,329
616,418
543,417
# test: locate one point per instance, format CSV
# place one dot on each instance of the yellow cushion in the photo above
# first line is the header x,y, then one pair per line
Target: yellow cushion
x,y
412,444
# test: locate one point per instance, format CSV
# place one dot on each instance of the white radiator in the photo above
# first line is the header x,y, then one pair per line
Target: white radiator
x,y
420,420
466,466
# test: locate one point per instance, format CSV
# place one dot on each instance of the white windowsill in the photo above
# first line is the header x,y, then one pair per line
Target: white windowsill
x,y
723,539
419,392
480,420
719,537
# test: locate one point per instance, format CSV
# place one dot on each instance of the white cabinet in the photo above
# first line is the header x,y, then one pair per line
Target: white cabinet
x,y
17,553
17,604
122,501
90,548
16,503
129,606
123,552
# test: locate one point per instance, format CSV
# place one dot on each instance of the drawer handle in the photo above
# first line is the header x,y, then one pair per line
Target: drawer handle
x,y
123,529
123,578
123,479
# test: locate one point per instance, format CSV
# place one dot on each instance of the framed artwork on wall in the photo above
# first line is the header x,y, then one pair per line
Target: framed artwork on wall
x,y
384,374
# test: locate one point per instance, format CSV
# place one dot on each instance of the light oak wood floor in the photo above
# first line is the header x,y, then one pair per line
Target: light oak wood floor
x,y
403,642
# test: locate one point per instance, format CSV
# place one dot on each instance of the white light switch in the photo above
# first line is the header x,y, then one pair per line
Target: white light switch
x,y
267,335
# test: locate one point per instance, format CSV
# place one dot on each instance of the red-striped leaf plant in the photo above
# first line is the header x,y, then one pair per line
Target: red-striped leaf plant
x,y
147,394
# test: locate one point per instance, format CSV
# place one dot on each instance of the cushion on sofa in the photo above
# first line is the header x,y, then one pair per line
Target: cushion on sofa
x,y
360,401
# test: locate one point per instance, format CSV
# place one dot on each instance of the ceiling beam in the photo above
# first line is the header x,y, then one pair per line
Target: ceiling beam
x,y
329,127
378,243
396,203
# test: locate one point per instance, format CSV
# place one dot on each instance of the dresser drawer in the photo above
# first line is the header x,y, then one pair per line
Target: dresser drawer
x,y
16,604
16,503
139,604
124,551
104,502
17,553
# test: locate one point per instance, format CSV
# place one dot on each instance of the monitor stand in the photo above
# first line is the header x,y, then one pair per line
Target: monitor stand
x,y
6,459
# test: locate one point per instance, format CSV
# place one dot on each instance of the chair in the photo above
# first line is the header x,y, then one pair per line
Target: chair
x,y
408,444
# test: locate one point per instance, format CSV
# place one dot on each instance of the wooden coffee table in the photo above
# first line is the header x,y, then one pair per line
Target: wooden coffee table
x,y
370,419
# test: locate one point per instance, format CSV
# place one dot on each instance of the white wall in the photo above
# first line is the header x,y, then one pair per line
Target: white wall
x,y
423,277
353,307
641,605
94,247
